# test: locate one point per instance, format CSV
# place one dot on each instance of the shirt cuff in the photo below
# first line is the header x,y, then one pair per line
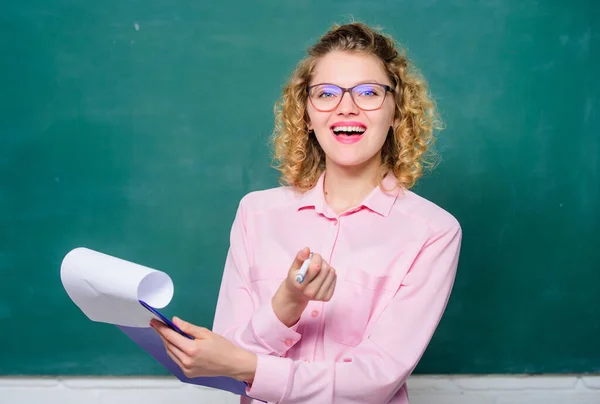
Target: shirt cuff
x,y
270,331
271,379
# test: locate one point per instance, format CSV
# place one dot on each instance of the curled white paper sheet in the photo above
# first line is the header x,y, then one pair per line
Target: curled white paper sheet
x,y
108,289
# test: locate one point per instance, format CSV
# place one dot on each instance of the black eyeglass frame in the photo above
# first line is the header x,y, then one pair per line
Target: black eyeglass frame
x,y
349,91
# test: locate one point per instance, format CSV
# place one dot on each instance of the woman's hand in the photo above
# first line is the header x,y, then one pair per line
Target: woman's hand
x,y
292,297
209,354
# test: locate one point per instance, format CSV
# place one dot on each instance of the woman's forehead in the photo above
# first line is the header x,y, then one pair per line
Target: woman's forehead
x,y
347,69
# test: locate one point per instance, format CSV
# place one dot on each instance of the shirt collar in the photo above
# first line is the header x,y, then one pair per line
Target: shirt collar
x,y
378,200
314,197
382,200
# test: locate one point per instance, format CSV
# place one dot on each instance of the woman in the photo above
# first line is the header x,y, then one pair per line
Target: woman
x,y
354,125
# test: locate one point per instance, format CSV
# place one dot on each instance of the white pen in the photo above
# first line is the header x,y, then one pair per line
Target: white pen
x,y
302,271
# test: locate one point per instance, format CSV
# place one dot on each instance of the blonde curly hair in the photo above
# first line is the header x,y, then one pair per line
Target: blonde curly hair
x,y
297,154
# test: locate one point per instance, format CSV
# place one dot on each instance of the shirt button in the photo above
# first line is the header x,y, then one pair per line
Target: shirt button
x,y
315,313
289,342
335,222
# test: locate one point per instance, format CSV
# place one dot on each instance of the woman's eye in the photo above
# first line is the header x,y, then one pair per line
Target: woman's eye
x,y
368,93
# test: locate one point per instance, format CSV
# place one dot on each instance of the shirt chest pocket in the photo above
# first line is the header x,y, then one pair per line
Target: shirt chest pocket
x,y
264,282
356,300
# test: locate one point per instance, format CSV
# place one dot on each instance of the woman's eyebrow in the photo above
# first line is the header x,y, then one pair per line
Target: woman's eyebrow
x,y
369,82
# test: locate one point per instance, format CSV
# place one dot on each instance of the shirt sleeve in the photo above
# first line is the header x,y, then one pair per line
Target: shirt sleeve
x,y
380,365
256,329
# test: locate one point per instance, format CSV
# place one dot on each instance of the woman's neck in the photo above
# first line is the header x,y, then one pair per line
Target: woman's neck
x,y
346,187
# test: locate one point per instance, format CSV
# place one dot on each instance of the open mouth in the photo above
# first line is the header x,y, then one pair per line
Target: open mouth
x,y
348,134
348,130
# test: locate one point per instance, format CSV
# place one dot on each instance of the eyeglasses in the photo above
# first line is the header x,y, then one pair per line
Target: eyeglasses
x,y
368,97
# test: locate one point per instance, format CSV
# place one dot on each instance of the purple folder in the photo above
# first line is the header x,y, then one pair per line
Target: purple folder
x,y
149,340
114,291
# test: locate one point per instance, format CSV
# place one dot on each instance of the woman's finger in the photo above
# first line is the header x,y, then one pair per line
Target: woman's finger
x,y
313,269
326,285
312,289
329,293
302,255
175,353
172,336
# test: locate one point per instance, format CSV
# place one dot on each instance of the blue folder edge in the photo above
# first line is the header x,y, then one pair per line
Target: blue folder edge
x,y
149,340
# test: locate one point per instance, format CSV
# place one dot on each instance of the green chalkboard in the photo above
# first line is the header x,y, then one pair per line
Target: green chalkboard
x,y
134,128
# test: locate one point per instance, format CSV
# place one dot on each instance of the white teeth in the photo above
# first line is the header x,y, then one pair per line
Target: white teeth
x,y
349,129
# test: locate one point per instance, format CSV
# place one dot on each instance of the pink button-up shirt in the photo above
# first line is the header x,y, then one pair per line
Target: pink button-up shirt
x,y
395,256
